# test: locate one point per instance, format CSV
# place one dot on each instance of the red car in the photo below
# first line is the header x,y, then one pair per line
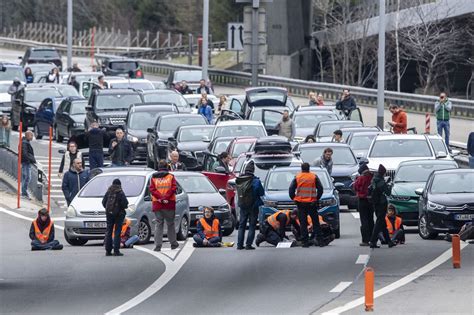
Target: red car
x,y
238,146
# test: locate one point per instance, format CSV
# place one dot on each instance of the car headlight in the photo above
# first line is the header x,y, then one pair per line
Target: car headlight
x,y
78,124
400,198
435,206
132,138
224,207
270,203
104,120
131,209
71,212
327,202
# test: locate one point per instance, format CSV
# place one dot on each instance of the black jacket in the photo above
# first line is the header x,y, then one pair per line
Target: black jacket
x,y
73,181
206,88
122,152
121,201
346,104
186,90
96,138
379,190
27,153
319,188
470,144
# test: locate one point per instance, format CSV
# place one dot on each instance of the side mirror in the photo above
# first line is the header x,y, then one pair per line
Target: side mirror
x,y
149,130
206,139
419,191
222,192
61,151
441,155
220,170
338,185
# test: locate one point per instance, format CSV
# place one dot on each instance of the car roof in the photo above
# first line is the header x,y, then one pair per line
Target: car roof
x,y
146,108
316,108
239,123
266,88
244,139
129,170
163,91
324,144
315,112
195,126
454,171
338,122
118,58
400,137
187,174
369,132
42,48
427,161
116,91
184,115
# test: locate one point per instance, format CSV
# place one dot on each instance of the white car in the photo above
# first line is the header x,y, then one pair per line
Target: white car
x,y
5,98
138,84
391,150
193,101
239,128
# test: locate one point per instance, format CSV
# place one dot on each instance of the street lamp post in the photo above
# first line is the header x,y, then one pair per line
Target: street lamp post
x,y
381,66
69,34
205,40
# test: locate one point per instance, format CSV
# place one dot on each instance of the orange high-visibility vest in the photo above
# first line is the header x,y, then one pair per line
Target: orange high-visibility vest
x,y
209,231
125,225
42,236
310,221
274,223
305,187
163,185
398,224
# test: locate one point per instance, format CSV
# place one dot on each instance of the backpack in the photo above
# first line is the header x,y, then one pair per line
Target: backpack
x,y
244,185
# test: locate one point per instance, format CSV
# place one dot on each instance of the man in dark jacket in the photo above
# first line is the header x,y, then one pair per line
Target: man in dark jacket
x,y
273,230
379,189
120,150
27,160
347,103
249,213
42,232
185,88
96,137
203,87
470,149
175,164
365,207
115,202
74,180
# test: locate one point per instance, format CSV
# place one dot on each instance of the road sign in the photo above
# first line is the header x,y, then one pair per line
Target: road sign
x,y
235,36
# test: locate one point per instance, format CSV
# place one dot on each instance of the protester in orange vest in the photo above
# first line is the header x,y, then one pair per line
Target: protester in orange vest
x,y
306,189
163,196
126,241
399,119
273,229
208,230
327,234
42,232
394,227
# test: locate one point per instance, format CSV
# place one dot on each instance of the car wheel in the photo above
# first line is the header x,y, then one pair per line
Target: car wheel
x,y
424,230
183,229
74,241
144,231
38,135
337,233
59,138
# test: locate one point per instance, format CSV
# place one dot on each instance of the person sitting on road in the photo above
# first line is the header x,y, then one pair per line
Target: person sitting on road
x,y
42,232
325,161
327,234
274,227
126,241
68,158
394,227
223,160
337,136
175,164
347,103
209,233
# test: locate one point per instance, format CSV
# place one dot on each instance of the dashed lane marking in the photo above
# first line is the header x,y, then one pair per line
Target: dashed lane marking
x,y
341,286
356,215
362,259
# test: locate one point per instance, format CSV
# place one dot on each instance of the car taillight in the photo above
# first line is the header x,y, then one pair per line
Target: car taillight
x,y
139,74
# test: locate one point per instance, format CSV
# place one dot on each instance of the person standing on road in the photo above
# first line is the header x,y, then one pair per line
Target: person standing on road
x,y
27,159
249,191
115,202
163,195
15,88
337,136
28,75
443,109
75,68
273,230
69,156
203,87
120,149
379,189
209,232
73,82
185,88
205,110
364,206
222,105
310,139
175,164
320,100
306,190
96,138
53,76
470,149
312,101
399,119
325,161
347,103
42,232
286,126
74,180
5,130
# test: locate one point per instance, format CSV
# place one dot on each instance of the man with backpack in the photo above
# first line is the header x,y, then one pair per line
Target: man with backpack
x,y
249,192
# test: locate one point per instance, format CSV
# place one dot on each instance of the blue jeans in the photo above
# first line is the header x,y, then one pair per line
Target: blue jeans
x,y
444,125
471,161
112,221
251,216
131,240
213,241
54,244
25,178
96,159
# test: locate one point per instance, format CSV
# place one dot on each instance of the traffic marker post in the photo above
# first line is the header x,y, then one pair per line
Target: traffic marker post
x,y
49,165
19,165
427,123
456,243
369,289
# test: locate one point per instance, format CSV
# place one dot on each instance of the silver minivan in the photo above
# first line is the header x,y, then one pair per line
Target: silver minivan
x,y
85,216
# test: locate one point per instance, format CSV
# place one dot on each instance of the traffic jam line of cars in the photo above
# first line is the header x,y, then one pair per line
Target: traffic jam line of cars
x,y
158,120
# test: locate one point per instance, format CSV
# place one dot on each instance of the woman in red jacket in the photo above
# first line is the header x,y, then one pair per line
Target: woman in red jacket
x,y
365,208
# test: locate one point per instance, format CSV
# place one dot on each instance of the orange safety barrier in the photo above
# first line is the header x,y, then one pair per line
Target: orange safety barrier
x,y
369,289
456,243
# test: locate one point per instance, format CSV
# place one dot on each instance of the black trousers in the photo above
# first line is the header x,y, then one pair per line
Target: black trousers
x,y
366,214
311,209
270,235
113,221
380,224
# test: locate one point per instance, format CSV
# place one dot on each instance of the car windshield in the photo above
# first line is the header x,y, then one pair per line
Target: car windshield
x,y
419,172
453,183
262,168
240,130
67,90
240,148
194,134
310,120
401,148
4,87
327,130
220,145
196,184
133,85
78,107
281,180
341,155
41,67
266,95
132,185
38,95
438,145
191,76
11,73
116,101
123,65
142,120
362,142
47,53
172,123
170,97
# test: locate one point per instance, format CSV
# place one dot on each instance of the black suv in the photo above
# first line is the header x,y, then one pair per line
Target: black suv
x,y
109,107
123,67
42,55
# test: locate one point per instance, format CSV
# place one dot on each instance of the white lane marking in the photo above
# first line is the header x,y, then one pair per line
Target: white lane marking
x,y
356,215
362,259
172,268
397,284
341,286
58,219
20,216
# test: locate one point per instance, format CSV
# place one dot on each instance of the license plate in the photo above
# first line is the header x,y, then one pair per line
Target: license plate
x,y
464,217
95,224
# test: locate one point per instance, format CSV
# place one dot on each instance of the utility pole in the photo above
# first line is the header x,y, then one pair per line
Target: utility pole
x,y
255,29
69,34
381,66
205,40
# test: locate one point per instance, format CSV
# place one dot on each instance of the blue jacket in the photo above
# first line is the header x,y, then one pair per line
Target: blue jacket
x,y
206,111
73,182
258,191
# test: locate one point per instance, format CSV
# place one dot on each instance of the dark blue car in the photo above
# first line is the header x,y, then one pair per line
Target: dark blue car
x,y
277,197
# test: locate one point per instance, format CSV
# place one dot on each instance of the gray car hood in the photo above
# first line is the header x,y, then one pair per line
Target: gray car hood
x,y
205,199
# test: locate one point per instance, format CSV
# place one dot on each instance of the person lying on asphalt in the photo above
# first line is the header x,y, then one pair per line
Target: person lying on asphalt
x,y
208,230
42,232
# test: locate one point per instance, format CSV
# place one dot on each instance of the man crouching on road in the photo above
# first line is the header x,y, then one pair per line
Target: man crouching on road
x,y
42,232
274,227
